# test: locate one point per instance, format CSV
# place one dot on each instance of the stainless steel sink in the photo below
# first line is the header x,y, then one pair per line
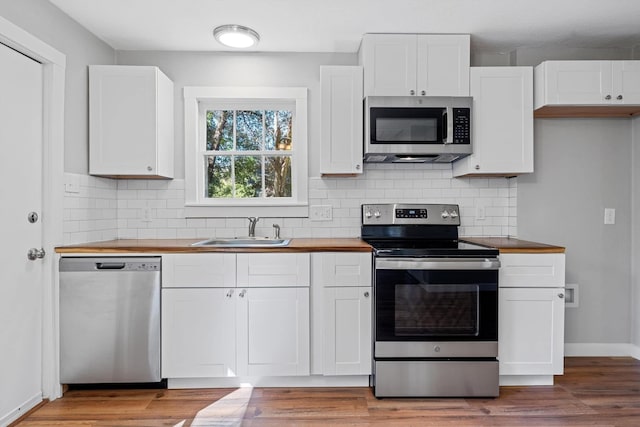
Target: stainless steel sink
x,y
243,242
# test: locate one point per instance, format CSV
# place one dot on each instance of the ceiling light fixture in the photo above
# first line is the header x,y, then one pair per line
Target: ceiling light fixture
x,y
236,36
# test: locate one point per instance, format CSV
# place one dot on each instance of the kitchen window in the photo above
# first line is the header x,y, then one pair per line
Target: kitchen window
x,y
245,151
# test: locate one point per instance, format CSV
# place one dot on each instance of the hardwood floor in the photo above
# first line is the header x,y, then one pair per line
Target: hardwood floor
x,y
593,392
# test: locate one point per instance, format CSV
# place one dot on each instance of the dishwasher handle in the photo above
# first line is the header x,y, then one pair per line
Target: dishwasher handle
x,y
110,265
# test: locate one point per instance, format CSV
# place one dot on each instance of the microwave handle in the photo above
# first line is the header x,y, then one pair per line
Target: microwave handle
x,y
448,130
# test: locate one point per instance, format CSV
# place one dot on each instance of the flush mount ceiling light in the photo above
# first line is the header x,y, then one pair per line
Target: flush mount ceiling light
x,y
236,36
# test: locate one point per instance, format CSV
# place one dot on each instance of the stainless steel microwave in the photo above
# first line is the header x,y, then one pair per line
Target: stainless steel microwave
x,y
417,129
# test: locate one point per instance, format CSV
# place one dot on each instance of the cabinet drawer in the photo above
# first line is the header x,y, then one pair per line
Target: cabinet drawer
x,y
532,270
198,270
273,270
342,269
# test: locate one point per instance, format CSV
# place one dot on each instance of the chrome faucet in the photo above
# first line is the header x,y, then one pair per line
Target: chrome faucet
x,y
253,220
276,231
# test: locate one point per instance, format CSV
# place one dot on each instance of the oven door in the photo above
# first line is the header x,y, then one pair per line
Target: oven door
x,y
436,307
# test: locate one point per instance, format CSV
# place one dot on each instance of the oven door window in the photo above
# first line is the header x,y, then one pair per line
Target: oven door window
x,y
407,125
444,305
436,310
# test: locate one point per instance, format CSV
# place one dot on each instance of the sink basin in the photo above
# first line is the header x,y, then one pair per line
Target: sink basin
x,y
243,242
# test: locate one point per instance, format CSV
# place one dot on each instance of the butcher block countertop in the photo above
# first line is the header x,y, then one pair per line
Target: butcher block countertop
x,y
184,246
508,245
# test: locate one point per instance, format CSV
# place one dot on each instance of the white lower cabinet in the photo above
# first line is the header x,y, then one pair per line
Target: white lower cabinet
x,y
531,318
531,331
273,331
347,331
198,333
342,284
232,331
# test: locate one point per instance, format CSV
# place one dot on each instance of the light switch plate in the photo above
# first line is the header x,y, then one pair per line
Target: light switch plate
x,y
609,216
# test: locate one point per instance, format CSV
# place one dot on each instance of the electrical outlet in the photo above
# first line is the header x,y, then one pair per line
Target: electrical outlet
x,y
146,215
480,216
71,184
320,213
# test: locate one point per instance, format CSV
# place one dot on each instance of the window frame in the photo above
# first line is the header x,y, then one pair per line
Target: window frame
x,y
196,100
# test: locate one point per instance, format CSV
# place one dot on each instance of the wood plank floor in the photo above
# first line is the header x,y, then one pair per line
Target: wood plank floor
x,y
593,392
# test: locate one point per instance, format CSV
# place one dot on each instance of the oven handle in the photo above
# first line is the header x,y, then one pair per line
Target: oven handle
x,y
437,264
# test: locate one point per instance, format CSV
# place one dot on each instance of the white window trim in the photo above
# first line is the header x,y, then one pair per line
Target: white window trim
x,y
195,206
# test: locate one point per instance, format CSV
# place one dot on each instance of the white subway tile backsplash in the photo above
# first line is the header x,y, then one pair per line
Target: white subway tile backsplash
x,y
106,209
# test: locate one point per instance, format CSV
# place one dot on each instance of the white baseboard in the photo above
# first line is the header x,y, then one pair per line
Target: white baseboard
x,y
601,350
5,419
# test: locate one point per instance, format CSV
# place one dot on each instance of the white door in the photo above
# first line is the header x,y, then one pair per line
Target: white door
x,y
21,119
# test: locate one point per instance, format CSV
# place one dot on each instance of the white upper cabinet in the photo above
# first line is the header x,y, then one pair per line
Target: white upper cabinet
x,y
415,64
502,122
341,120
131,122
584,84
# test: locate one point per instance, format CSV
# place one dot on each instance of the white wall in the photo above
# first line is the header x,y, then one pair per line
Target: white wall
x,y
581,167
48,23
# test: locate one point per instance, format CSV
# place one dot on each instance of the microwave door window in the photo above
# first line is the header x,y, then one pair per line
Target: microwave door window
x,y
406,130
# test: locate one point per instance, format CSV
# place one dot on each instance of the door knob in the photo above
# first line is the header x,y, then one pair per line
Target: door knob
x,y
35,253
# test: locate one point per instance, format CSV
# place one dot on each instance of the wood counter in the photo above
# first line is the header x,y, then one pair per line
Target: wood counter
x,y
509,245
184,246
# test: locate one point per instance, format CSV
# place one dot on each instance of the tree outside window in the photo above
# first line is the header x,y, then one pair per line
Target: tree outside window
x,y
248,153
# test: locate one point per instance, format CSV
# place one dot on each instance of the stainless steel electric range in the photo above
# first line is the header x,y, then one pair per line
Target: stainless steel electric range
x,y
435,304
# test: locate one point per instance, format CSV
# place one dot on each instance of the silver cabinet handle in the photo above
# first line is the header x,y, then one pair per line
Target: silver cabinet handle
x,y
242,293
412,92
477,167
608,97
366,294
560,295
424,92
358,167
619,97
230,293
35,253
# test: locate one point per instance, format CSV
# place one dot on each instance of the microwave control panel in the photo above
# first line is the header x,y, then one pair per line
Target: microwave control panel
x,y
461,126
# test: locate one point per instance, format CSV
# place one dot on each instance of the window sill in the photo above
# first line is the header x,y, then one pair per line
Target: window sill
x,y
292,211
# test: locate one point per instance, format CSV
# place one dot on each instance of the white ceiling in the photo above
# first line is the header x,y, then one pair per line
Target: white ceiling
x,y
338,25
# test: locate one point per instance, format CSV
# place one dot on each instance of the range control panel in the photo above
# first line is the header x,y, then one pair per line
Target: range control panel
x,y
401,214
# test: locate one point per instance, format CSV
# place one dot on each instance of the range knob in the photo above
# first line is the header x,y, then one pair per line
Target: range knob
x,y
445,214
453,214
376,214
367,214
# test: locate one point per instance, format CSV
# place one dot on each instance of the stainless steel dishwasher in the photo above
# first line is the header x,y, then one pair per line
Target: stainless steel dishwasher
x,y
110,320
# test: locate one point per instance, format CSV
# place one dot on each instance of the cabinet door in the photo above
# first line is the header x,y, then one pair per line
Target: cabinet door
x,y
626,82
131,121
578,82
443,65
199,270
273,270
389,62
502,122
342,269
198,333
341,124
531,331
347,331
273,331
